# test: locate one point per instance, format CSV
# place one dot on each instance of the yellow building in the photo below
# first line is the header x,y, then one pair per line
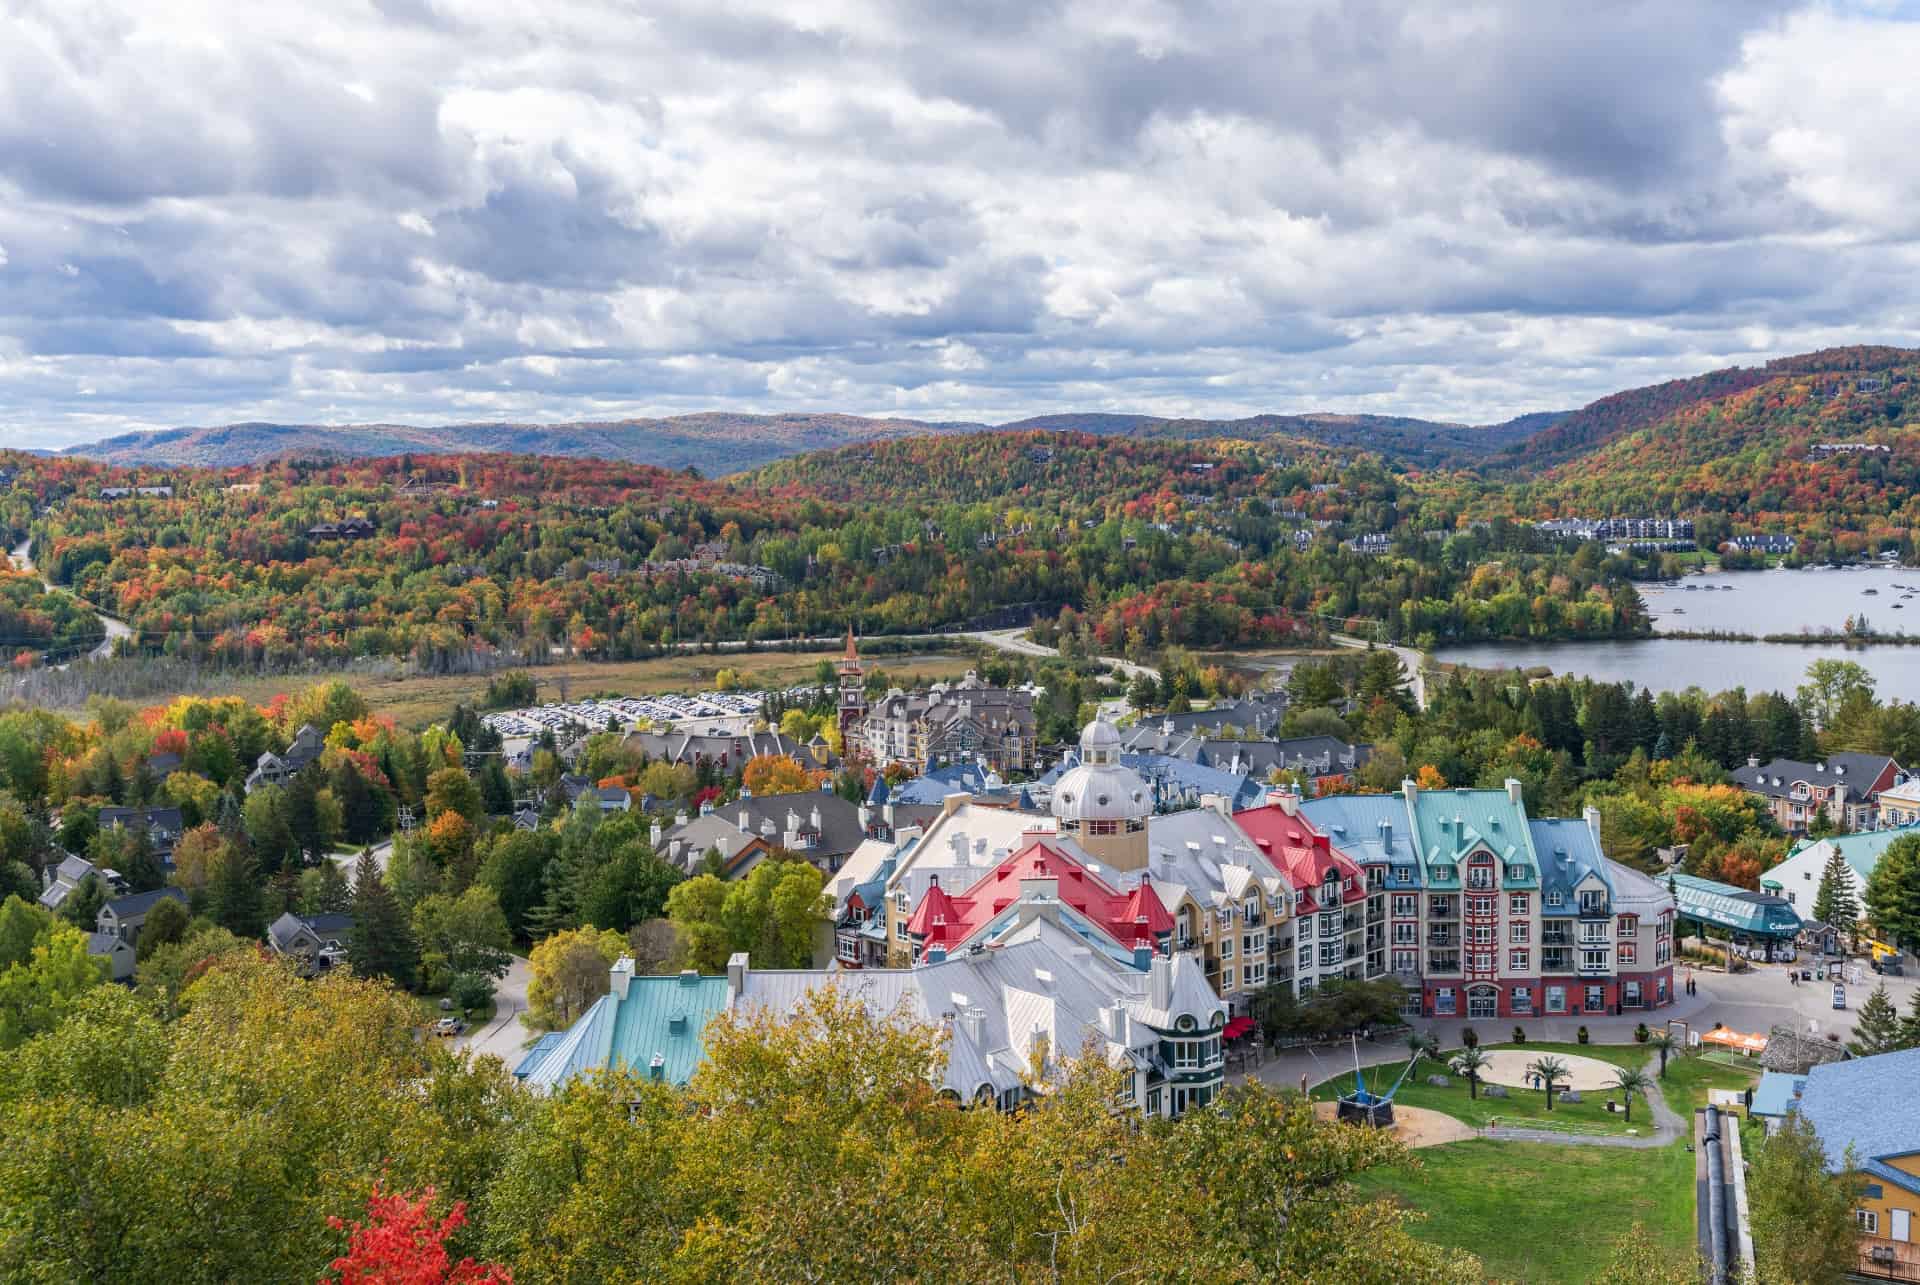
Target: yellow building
x,y
1869,1105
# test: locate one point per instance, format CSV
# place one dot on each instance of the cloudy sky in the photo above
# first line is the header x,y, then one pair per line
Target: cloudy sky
x,y
438,210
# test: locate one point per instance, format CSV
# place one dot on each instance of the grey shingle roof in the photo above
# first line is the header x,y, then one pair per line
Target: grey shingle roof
x,y
1867,1104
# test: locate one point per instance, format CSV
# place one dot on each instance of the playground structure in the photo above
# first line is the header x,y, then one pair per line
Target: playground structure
x,y
1363,1106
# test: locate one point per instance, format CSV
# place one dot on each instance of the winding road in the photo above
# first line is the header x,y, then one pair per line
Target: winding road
x,y
1410,660
22,558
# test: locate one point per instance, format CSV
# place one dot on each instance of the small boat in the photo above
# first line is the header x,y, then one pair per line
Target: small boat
x,y
1692,587
1679,611
1896,606
1868,593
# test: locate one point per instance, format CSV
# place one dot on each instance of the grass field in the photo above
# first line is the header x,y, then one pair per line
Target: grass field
x,y
417,701
1541,1213
1525,1107
1535,1212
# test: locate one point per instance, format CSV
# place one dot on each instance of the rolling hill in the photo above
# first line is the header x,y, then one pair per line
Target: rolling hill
x,y
720,443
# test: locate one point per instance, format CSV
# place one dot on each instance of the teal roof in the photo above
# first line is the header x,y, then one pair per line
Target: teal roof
x,y
1450,824
660,1016
1726,906
1862,851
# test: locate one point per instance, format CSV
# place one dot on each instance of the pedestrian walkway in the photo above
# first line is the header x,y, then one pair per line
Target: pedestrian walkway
x,y
1666,1127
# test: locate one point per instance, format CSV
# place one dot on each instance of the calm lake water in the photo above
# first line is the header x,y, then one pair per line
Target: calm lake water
x,y
1759,602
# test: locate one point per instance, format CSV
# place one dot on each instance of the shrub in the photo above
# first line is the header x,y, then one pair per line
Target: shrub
x,y
1640,1033
1519,1035
1469,1038
1583,1035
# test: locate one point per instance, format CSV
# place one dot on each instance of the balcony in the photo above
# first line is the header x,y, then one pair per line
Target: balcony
x,y
1552,938
1350,923
1353,951
1556,961
1443,910
1376,914
1595,910
1442,939
1443,963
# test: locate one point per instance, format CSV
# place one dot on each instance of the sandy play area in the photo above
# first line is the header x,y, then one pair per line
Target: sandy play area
x,y
1509,1067
1415,1126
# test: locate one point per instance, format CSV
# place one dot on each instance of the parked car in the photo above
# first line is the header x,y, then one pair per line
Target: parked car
x,y
450,1026
1839,995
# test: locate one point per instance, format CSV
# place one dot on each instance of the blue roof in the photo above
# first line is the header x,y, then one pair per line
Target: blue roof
x,y
1776,1092
1373,829
1568,854
1867,1104
932,787
1739,909
1179,784
664,1017
879,793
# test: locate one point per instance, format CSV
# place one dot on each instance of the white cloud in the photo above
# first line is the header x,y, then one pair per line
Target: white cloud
x,y
975,212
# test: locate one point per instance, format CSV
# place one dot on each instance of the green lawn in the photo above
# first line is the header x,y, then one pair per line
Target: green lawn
x,y
1526,1108
1689,1079
1540,1213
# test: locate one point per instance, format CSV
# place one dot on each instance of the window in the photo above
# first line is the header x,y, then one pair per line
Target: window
x,y
1256,974
1593,959
1596,999
1480,905
1253,944
1790,900
1479,877
1523,999
1443,873
1405,906
1404,934
1556,999
1517,961
1517,904
1480,934
1226,948
1593,899
1483,962
1630,995
1869,1221
1306,928
1593,932
1226,979
1443,1002
1627,954
1629,926
1306,957
1517,932
1226,914
1405,961
1554,898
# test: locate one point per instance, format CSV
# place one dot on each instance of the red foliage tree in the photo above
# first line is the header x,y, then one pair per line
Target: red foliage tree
x,y
402,1244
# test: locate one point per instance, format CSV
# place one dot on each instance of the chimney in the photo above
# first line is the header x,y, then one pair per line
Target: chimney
x,y
736,976
1753,760
953,802
620,976
1160,983
1410,788
957,845
680,817
1591,815
1290,803
974,1019
1215,802
1513,790
813,818
746,821
1040,889
653,834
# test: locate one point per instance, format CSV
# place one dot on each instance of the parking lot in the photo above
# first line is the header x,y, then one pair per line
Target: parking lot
x,y
723,712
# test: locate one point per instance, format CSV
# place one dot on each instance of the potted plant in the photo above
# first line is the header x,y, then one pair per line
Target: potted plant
x,y
1641,1033
1519,1035
1584,1037
1469,1038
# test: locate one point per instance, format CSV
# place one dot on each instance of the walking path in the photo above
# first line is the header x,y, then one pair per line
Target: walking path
x,y
22,558
1666,1127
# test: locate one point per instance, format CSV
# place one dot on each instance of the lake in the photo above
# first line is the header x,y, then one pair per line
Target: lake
x,y
1759,602
1785,602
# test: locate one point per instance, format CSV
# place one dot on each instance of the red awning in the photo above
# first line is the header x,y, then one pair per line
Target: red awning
x,y
1236,1027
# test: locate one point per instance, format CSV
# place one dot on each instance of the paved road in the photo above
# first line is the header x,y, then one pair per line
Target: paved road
x,y
504,1037
22,558
1412,661
382,853
1016,640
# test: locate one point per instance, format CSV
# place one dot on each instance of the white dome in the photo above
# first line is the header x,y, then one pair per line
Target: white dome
x,y
1101,792
1099,735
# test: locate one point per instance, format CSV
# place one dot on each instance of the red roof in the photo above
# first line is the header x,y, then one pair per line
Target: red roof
x,y
1303,854
1132,918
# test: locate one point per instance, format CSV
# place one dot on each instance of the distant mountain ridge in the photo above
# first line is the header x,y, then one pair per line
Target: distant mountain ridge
x,y
721,443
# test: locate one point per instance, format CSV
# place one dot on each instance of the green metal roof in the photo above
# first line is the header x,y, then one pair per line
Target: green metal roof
x,y
1862,851
1726,906
664,1016
1449,824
